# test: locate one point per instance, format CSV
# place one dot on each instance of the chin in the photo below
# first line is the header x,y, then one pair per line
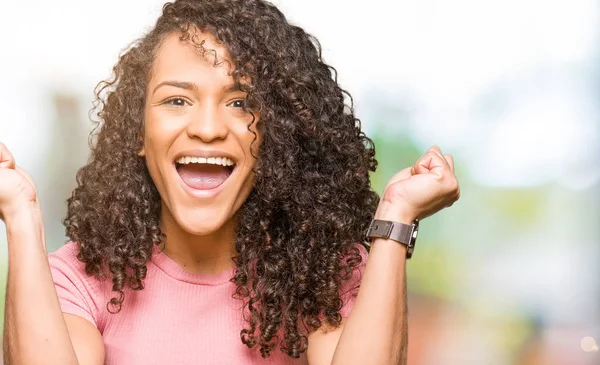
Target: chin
x,y
200,223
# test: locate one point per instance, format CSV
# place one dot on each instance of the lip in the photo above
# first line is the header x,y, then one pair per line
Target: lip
x,y
204,193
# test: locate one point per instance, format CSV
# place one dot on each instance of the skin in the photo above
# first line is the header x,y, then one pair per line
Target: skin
x,y
198,111
376,331
35,330
200,230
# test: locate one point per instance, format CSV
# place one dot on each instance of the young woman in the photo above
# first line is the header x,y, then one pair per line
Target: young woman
x,y
220,217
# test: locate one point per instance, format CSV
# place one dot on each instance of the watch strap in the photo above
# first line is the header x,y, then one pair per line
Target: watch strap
x,y
406,234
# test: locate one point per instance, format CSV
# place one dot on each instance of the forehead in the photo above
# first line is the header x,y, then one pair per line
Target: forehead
x,y
190,58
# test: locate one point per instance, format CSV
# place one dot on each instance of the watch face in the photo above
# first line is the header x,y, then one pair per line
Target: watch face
x,y
413,240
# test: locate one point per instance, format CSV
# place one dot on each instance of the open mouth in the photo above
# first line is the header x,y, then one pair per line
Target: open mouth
x,y
204,173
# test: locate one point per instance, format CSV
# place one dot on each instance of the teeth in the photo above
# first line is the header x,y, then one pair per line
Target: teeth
x,y
223,161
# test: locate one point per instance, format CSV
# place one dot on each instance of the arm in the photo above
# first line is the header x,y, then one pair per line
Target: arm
x,y
376,330
35,331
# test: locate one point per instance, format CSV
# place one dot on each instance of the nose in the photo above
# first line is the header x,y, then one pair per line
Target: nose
x,y
207,124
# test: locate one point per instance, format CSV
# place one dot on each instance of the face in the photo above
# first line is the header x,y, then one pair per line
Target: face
x,y
196,137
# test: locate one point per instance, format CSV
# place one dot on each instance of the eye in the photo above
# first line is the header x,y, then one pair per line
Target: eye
x,y
176,102
239,103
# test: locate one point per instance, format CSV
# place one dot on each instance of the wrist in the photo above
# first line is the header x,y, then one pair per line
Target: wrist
x,y
394,223
25,232
24,216
393,212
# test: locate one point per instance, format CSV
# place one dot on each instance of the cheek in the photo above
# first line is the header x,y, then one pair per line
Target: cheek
x,y
160,131
152,154
159,134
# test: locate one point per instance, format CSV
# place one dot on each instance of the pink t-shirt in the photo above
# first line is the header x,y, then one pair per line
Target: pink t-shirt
x,y
178,318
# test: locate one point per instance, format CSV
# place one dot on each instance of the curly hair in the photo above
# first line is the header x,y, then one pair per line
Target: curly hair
x,y
311,202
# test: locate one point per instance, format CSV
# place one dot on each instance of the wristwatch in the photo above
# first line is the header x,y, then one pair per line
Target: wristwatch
x,y
406,234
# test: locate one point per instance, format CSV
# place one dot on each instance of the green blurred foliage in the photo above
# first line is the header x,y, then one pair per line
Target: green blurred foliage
x,y
438,269
393,152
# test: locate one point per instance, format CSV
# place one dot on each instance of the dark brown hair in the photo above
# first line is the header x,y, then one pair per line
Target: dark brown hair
x,y
311,203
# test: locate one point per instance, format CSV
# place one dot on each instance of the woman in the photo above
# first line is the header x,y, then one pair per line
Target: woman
x,y
221,212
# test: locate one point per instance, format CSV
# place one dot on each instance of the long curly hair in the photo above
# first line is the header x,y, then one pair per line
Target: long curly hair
x,y
296,233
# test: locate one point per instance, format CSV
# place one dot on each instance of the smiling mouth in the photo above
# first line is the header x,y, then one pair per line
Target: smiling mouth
x,y
204,173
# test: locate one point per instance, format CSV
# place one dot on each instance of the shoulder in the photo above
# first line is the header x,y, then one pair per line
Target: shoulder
x,y
65,260
66,254
79,293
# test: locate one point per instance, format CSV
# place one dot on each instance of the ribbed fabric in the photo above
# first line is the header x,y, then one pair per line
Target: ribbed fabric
x,y
178,318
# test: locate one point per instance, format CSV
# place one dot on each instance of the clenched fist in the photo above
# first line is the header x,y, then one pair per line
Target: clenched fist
x,y
420,190
17,190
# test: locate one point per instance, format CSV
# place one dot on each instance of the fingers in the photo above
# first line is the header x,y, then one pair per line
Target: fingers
x,y
447,157
6,158
432,161
435,149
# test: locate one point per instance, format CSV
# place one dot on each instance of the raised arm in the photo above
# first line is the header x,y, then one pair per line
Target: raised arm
x,y
376,330
35,330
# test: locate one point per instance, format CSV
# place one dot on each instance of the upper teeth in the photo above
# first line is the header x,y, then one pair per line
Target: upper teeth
x,y
223,161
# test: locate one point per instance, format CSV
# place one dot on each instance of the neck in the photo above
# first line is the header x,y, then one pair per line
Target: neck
x,y
205,254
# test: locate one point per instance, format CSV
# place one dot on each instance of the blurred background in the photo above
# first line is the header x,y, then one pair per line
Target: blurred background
x,y
510,274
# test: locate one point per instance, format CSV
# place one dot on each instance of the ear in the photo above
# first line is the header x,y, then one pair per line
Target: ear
x,y
142,152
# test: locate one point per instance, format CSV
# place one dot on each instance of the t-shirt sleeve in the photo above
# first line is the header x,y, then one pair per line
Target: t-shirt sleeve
x,y
78,293
350,288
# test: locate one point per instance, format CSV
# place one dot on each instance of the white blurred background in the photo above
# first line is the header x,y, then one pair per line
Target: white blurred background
x,y
510,274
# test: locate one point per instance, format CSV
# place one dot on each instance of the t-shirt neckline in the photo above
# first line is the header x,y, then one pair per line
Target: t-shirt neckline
x,y
176,271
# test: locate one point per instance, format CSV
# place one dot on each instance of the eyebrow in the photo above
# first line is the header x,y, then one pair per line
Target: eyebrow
x,y
191,86
180,84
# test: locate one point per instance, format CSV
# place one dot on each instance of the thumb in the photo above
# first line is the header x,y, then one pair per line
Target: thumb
x,y
430,162
422,165
6,158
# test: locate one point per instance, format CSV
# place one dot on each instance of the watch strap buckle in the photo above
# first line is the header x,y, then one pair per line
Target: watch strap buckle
x,y
379,228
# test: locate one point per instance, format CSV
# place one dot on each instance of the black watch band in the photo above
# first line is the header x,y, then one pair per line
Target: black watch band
x,y
406,234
